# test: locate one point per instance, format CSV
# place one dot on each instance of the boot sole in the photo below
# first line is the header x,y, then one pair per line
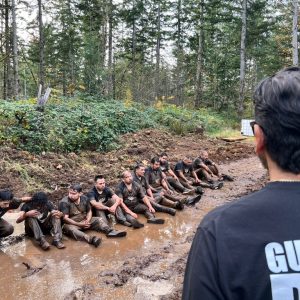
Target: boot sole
x,y
157,221
119,234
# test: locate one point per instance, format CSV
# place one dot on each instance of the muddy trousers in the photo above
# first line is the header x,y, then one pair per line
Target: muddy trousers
x,y
162,201
138,209
77,232
6,229
176,184
103,214
37,229
161,208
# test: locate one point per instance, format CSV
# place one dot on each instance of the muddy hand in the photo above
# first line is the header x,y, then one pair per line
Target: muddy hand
x,y
32,213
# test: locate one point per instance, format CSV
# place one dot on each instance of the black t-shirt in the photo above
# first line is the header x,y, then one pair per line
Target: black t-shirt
x,y
103,197
198,162
44,211
133,197
165,167
186,169
154,177
248,250
13,204
142,181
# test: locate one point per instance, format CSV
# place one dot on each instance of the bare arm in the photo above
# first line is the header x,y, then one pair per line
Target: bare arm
x,y
180,174
29,214
147,202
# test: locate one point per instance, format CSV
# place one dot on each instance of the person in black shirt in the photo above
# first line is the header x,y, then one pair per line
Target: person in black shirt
x,y
170,176
41,217
8,202
104,201
249,249
207,169
185,172
159,202
133,196
158,184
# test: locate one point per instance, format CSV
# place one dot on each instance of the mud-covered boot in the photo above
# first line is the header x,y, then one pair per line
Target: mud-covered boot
x,y
227,177
115,234
58,244
179,205
216,185
44,244
193,200
125,223
199,190
187,192
155,221
136,224
96,241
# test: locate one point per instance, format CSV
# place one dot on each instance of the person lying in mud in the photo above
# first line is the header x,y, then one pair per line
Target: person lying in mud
x,y
133,196
8,202
159,202
207,169
40,218
187,176
157,182
170,176
104,202
77,217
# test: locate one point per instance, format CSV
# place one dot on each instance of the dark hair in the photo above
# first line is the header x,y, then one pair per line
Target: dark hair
x,y
98,177
155,160
137,166
277,112
6,195
164,154
76,187
39,199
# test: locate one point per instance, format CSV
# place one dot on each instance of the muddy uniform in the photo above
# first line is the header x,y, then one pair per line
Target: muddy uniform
x,y
197,164
43,223
159,201
106,199
6,228
165,167
78,213
187,172
154,178
133,199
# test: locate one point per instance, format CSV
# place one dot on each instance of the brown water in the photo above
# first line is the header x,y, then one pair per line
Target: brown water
x,y
80,263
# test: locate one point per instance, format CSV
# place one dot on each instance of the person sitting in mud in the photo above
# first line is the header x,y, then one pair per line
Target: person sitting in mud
x,y
41,217
170,176
159,202
187,176
133,196
104,201
8,202
207,169
157,182
78,218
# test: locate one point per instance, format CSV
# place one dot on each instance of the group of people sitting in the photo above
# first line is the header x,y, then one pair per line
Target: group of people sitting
x,y
158,188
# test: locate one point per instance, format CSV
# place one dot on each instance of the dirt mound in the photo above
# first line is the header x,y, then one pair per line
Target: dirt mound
x,y
24,172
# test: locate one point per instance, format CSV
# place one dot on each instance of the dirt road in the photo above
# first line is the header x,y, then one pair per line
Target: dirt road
x,y
148,264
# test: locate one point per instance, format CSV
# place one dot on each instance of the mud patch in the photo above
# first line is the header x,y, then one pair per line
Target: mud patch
x,y
32,270
86,292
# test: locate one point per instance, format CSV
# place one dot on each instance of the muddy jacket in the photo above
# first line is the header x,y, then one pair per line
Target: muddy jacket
x,y
102,197
199,161
14,204
44,211
133,197
142,181
154,177
186,169
76,212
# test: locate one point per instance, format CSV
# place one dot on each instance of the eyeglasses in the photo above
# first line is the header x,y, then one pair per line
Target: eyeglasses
x,y
252,125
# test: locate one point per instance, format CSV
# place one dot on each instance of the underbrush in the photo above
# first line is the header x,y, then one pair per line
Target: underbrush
x,y
72,125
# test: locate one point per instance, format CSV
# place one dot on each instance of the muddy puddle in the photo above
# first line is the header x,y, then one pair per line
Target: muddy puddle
x,y
147,264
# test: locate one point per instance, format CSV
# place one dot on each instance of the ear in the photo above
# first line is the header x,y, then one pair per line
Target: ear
x,y
259,139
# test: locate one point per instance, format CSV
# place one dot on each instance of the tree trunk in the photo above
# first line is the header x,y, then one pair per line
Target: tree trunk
x,y
243,59
157,67
133,38
199,71
41,47
15,52
7,67
295,33
110,49
179,89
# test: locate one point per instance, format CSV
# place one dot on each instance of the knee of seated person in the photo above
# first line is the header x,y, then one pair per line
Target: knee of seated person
x,y
9,229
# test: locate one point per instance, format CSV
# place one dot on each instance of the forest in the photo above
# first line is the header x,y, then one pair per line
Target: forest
x,y
195,54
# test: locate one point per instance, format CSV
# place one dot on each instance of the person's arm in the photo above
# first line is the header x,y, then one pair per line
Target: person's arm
x,y
147,202
201,280
171,172
98,205
195,176
127,210
29,214
181,175
149,192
